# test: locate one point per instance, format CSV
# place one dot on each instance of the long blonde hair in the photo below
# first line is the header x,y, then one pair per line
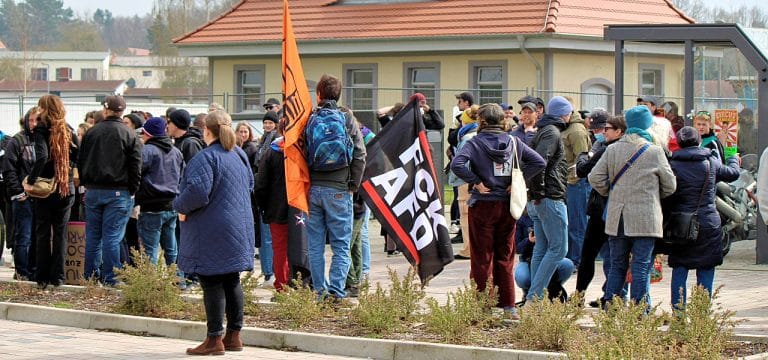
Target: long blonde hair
x,y
52,113
219,123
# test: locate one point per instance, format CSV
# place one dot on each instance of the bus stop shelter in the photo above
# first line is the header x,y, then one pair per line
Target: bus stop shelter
x,y
692,36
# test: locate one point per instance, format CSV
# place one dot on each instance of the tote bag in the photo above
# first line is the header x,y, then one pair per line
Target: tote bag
x,y
518,196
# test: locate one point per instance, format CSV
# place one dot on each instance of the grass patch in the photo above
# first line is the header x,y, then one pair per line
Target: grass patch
x,y
466,308
548,325
386,310
298,305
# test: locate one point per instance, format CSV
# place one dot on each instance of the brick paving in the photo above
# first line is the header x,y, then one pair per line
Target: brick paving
x,y
28,341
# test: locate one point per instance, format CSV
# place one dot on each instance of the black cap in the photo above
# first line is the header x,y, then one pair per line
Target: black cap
x,y
530,99
466,96
270,103
180,118
649,98
599,119
114,103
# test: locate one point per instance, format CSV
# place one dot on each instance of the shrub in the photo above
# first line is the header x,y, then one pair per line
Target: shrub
x,y
463,309
623,332
548,325
149,289
298,305
249,284
703,329
383,311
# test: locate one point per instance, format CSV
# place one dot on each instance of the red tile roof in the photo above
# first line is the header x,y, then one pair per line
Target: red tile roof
x,y
37,85
261,20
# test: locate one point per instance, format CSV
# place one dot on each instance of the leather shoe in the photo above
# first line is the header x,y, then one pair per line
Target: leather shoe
x,y
460,257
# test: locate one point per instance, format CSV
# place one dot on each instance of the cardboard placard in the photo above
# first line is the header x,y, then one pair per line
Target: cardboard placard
x,y
74,258
727,130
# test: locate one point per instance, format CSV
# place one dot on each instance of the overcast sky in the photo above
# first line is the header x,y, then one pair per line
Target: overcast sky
x,y
141,7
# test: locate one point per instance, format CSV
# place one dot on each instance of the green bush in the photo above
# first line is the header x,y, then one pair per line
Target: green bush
x,y
463,309
149,289
383,311
548,325
250,283
298,305
703,329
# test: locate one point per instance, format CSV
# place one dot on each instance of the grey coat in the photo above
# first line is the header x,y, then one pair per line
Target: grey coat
x,y
638,193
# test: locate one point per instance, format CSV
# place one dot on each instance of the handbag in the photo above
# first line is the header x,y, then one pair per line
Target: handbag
x,y
42,188
518,194
682,227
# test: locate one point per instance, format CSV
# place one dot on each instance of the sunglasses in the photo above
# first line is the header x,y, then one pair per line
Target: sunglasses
x,y
610,128
269,107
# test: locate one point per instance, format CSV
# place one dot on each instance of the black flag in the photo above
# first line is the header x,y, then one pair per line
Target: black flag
x,y
400,186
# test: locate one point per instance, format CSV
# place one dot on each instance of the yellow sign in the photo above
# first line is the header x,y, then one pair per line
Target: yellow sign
x,y
74,259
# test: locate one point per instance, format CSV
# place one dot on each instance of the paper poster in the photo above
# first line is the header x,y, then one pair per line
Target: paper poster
x,y
727,130
74,258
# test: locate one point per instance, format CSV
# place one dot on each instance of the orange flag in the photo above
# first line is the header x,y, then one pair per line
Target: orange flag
x,y
298,106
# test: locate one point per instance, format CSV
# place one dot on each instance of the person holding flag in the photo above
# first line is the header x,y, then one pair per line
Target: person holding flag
x,y
491,227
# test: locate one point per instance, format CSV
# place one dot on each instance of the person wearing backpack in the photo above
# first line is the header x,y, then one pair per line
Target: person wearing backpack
x,y
336,160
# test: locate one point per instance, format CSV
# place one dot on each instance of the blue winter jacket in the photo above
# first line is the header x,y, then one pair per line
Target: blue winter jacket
x,y
215,195
489,155
161,167
690,167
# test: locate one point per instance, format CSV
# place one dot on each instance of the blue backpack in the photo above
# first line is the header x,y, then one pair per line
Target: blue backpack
x,y
329,147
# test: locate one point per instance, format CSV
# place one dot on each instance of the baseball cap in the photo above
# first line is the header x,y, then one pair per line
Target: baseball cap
x,y
649,98
466,96
114,103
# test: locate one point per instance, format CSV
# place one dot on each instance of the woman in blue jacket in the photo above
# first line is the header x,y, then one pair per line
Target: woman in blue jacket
x,y
696,192
217,227
484,163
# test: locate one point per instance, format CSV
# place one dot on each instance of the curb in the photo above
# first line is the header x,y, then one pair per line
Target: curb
x,y
275,339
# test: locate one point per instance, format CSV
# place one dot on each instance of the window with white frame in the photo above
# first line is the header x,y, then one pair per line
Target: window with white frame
x,y
489,79
360,81
88,74
249,87
39,74
423,78
651,80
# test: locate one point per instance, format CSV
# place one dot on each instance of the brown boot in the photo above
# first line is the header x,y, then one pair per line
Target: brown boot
x,y
232,341
211,346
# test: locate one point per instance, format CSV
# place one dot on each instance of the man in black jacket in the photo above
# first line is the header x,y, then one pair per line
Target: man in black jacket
x,y
188,140
17,164
110,166
547,197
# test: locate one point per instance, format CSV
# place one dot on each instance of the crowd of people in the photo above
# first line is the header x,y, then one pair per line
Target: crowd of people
x,y
209,193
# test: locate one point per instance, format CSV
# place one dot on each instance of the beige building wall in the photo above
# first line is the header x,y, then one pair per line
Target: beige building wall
x,y
454,73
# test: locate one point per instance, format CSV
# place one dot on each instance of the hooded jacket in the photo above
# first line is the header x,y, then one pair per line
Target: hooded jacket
x,y
690,167
711,142
44,165
161,168
490,158
549,145
190,143
110,157
575,141
18,160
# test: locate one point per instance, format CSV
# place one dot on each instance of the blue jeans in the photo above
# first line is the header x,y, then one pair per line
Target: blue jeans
x,y
523,273
158,229
550,226
641,249
106,214
578,195
704,278
366,242
330,212
265,250
23,217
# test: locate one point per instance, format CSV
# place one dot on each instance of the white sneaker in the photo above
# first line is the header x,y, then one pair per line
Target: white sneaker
x,y
269,284
455,228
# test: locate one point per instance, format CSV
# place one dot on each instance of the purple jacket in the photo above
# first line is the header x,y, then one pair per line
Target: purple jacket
x,y
486,158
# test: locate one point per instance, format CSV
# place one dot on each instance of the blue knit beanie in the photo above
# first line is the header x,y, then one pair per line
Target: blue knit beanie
x,y
559,106
639,117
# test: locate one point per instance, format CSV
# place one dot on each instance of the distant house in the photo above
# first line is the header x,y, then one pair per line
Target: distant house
x,y
61,65
76,90
149,71
386,50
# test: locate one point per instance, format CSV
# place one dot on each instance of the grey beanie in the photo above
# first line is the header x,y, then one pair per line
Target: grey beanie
x,y
688,137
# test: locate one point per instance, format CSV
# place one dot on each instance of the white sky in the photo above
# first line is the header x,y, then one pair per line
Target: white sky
x,y
141,7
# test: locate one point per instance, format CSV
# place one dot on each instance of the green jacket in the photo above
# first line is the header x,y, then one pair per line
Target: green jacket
x,y
575,141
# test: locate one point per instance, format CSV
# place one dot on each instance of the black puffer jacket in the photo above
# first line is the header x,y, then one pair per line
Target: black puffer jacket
x,y
190,144
584,164
548,144
690,168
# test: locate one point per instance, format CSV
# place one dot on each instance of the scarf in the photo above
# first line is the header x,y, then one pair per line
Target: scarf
x,y
643,133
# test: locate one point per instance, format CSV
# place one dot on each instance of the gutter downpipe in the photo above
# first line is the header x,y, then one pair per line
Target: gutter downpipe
x,y
539,81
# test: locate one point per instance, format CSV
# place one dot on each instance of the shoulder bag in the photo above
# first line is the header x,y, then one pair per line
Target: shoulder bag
x,y
42,188
518,196
621,172
682,227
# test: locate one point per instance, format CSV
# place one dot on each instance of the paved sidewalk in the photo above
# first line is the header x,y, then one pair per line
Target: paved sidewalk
x,y
27,341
